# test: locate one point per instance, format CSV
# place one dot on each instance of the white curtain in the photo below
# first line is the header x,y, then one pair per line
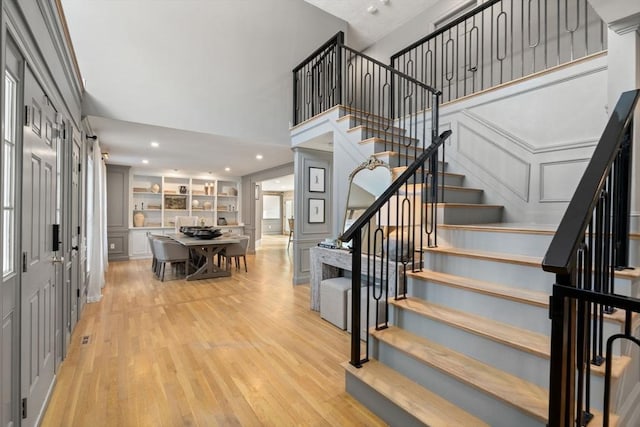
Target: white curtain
x,y
98,260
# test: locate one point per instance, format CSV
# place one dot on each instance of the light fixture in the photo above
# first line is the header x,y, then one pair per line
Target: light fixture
x,y
227,169
145,161
105,156
155,144
372,9
259,156
384,1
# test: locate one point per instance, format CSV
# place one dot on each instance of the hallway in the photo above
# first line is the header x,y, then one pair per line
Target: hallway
x,y
244,350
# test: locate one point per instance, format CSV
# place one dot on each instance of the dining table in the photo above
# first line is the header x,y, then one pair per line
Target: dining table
x,y
208,249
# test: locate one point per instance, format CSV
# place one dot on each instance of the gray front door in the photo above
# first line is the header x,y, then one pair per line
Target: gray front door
x,y
38,293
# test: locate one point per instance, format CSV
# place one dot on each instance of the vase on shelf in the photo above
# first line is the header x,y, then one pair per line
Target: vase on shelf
x,y
155,188
183,189
138,219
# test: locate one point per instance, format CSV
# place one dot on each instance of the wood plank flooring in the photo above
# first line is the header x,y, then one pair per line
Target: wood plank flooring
x,y
244,350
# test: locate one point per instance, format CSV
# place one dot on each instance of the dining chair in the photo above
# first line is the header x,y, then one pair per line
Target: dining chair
x,y
170,251
154,262
235,251
290,232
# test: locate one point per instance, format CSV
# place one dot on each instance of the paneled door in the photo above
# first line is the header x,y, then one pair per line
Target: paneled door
x,y
39,260
77,290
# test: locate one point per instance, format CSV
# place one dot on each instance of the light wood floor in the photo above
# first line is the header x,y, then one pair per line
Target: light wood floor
x,y
244,350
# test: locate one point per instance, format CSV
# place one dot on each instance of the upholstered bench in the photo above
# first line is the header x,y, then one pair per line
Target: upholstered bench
x,y
333,300
363,311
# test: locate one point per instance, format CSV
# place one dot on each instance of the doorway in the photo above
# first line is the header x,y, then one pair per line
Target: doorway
x,y
276,208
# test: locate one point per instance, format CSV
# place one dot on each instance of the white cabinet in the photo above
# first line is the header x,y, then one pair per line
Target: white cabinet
x,y
139,243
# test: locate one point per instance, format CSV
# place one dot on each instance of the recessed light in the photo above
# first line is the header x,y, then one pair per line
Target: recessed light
x,y
259,156
372,9
227,169
155,144
145,161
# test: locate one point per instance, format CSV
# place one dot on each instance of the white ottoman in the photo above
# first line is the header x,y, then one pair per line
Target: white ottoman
x,y
333,300
363,311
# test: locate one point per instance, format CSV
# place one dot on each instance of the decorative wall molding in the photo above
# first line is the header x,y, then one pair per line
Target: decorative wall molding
x,y
518,170
568,172
567,145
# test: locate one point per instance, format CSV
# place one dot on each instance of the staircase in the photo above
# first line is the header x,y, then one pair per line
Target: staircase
x,y
470,344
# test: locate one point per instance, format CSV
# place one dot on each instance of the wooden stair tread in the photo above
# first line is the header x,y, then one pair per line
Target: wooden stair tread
x,y
512,336
490,256
525,296
498,229
371,124
361,114
521,394
531,261
421,403
395,139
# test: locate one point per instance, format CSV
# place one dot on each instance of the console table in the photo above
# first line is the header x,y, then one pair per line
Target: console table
x,y
327,263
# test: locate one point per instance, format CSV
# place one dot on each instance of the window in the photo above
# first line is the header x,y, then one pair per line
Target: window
x,y
270,207
9,176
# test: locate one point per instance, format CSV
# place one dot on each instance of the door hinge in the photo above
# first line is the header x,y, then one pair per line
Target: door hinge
x,y
79,167
24,408
27,115
79,229
78,293
24,262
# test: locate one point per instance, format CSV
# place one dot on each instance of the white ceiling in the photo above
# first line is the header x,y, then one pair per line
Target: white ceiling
x,y
209,80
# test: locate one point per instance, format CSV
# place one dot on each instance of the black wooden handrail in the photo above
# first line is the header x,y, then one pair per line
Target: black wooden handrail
x,y
394,187
338,39
577,217
447,27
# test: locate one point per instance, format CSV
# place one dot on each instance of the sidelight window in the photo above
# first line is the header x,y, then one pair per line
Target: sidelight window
x,y
9,175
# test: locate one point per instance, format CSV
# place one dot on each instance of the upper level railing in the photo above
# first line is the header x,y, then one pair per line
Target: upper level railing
x,y
501,41
591,243
389,104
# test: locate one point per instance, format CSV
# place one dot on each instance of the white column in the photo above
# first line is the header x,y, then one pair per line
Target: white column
x,y
624,75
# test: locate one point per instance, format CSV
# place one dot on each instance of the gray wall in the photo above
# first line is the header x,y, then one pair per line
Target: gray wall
x,y
306,234
117,212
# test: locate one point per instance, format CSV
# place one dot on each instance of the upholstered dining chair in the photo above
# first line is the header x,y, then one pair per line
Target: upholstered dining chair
x,y
235,251
170,251
154,261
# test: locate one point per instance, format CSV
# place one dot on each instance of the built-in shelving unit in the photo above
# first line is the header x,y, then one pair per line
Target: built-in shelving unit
x,y
157,200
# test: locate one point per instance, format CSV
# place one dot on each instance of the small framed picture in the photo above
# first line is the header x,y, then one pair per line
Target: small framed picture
x,y
316,180
316,211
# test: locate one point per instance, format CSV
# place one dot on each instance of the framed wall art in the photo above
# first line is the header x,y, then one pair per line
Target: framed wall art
x,y
316,180
316,211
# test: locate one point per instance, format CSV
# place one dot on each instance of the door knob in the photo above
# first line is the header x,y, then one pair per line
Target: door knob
x,y
56,260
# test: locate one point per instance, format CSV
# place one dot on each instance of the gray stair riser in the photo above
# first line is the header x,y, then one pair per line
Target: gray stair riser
x,y
505,273
374,123
392,136
451,195
522,364
378,404
454,180
522,315
483,406
466,215
492,241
